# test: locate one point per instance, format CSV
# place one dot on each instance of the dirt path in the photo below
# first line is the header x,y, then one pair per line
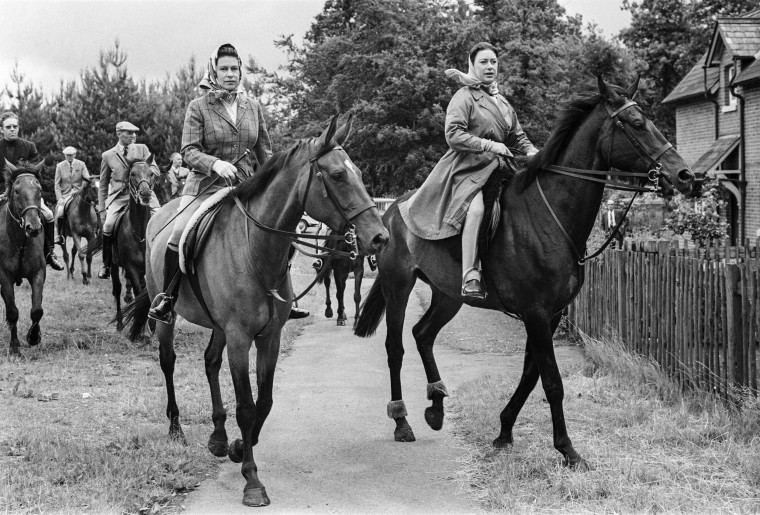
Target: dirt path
x,y
328,446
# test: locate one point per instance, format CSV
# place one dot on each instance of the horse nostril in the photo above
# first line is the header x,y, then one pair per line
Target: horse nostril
x,y
380,240
685,175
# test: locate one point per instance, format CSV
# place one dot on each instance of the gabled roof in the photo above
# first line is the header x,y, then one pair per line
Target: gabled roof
x,y
693,84
740,36
716,154
751,73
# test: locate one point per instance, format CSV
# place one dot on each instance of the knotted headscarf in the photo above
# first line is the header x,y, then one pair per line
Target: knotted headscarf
x,y
471,80
210,83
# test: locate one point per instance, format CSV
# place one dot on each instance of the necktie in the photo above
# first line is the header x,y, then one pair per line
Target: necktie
x,y
126,150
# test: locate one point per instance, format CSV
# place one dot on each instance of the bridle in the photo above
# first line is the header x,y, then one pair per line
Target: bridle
x,y
134,186
347,233
652,177
19,217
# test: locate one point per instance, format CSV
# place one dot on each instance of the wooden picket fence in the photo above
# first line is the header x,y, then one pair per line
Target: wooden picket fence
x,y
693,311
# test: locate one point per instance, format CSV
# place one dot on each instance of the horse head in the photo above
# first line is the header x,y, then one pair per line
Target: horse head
x,y
141,180
163,188
24,197
631,142
335,194
89,192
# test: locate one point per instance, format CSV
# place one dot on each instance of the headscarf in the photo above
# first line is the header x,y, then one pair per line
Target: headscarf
x,y
210,83
471,80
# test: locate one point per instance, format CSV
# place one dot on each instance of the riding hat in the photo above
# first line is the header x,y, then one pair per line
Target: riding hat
x,y
126,126
69,150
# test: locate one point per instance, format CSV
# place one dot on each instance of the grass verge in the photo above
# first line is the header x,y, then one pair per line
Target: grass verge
x,y
653,448
84,428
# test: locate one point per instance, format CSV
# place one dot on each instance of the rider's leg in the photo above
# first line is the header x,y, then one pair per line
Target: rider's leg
x,y
164,302
154,203
111,211
58,221
49,239
471,278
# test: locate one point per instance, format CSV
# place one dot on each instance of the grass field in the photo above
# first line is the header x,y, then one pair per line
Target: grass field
x,y
654,449
84,428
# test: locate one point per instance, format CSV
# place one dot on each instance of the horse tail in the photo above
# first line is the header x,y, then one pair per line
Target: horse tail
x,y
135,315
371,311
94,246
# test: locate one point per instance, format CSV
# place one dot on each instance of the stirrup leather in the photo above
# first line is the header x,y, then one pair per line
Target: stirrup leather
x,y
476,290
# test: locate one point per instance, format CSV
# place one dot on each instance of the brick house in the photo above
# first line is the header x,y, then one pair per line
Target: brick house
x,y
718,118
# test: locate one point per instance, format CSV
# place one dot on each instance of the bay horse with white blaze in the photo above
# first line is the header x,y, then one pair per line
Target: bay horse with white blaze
x,y
239,280
534,265
22,253
81,222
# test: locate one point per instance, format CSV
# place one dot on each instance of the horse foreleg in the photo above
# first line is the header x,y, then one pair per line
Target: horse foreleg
x,y
328,303
340,289
11,312
397,297
358,276
442,309
34,335
238,348
116,292
540,329
267,350
218,443
167,357
69,264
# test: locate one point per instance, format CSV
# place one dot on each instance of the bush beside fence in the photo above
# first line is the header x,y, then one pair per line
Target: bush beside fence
x,y
693,311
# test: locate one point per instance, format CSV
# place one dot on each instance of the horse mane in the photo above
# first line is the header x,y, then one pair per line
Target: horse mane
x,y
21,168
570,116
259,180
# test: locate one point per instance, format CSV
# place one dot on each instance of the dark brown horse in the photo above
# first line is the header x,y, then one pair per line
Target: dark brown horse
x,y
533,268
341,267
163,188
241,277
21,248
81,222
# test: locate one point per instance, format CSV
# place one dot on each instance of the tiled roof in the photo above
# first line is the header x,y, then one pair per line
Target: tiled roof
x,y
715,155
740,35
750,73
693,84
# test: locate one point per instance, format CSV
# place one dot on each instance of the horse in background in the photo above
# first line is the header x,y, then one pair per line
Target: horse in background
x,y
81,222
547,215
22,253
163,188
611,216
341,267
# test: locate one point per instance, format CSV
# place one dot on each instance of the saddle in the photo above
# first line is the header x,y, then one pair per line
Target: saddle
x,y
492,190
196,232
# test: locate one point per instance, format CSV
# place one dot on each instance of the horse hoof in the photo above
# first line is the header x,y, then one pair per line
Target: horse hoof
x,y
502,442
119,327
579,465
34,337
128,299
403,432
218,448
256,497
328,313
341,321
434,418
235,452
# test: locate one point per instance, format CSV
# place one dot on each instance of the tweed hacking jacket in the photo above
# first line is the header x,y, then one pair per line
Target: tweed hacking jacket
x,y
209,134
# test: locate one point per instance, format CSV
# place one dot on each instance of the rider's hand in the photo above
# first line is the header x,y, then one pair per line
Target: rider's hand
x,y
224,169
497,148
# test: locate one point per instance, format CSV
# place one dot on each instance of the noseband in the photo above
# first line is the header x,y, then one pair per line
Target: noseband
x,y
134,186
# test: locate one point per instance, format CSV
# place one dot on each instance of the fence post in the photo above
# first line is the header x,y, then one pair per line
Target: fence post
x,y
621,290
734,361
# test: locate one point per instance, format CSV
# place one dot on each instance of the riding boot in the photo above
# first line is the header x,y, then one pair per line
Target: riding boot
x,y
105,269
471,277
164,302
295,311
49,248
59,240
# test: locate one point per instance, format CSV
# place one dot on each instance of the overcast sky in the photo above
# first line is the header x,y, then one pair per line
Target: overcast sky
x,y
55,39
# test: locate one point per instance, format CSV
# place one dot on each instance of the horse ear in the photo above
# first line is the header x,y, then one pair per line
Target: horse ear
x,y
341,136
326,139
604,90
633,88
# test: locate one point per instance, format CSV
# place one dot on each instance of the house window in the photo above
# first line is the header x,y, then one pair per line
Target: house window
x,y
729,101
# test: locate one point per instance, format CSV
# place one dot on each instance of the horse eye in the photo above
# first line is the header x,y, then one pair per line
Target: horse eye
x,y
337,177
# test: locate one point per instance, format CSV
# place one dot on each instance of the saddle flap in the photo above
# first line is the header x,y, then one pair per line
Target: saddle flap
x,y
198,228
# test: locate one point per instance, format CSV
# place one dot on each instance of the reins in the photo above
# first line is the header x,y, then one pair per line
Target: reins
x,y
651,176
